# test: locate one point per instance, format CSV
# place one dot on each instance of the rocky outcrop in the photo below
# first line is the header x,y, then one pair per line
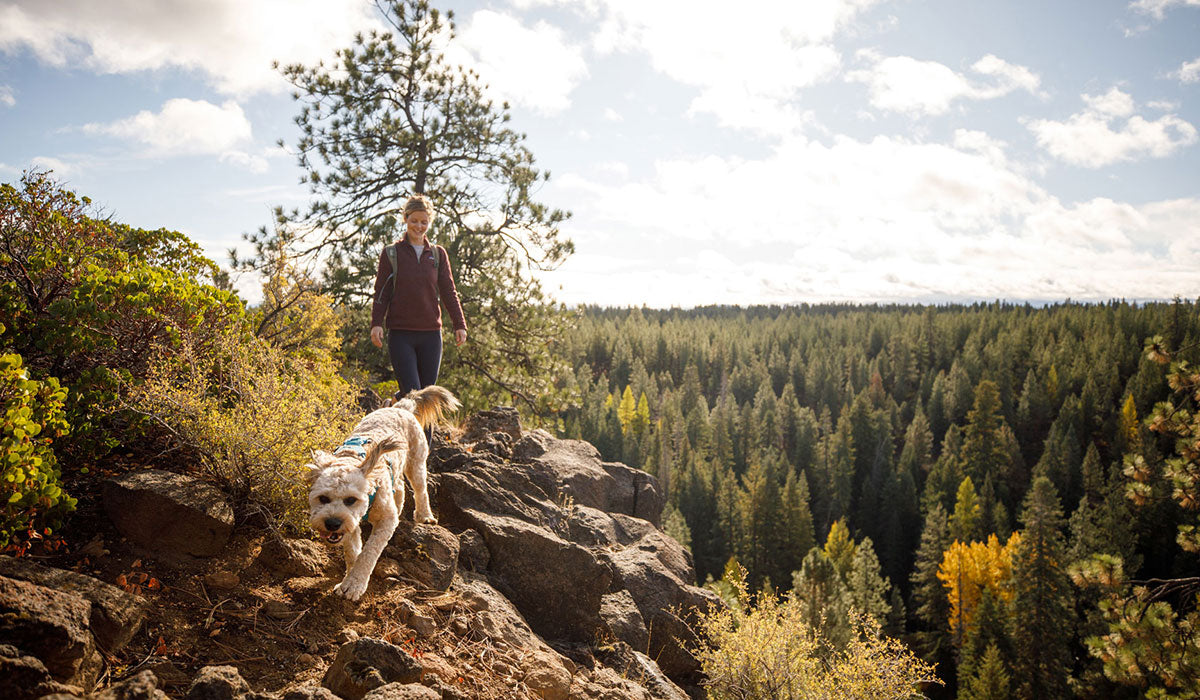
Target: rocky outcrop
x,y
571,541
171,516
545,556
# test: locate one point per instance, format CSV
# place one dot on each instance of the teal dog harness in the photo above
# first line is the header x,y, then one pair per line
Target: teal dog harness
x,y
358,445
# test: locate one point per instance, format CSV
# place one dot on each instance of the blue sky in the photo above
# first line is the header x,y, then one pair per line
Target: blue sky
x,y
761,152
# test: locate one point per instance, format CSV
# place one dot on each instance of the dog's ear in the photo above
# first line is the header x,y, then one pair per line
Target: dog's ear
x,y
311,472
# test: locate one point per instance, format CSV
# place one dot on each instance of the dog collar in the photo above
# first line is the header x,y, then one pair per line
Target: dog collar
x,y
357,445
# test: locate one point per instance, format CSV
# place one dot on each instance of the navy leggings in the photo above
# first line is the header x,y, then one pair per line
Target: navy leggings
x,y
416,358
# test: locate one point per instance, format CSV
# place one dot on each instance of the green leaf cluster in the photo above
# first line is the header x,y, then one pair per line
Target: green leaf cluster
x,y
90,301
32,500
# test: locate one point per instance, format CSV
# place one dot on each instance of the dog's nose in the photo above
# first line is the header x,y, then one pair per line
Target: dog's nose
x,y
332,524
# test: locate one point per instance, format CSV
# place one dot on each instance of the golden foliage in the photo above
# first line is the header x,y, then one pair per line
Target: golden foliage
x,y
767,651
251,413
968,569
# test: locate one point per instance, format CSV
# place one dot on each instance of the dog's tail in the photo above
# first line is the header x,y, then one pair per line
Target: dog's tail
x,y
429,404
378,448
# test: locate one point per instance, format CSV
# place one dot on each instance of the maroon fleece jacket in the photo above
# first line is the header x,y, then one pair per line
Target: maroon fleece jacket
x,y
413,305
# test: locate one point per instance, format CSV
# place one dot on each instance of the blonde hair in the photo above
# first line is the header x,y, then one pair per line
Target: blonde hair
x,y
418,202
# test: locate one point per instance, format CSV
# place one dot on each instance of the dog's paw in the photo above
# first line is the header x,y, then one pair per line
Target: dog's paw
x,y
427,519
351,589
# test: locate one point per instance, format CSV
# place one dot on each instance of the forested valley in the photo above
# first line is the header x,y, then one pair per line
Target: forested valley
x,y
949,470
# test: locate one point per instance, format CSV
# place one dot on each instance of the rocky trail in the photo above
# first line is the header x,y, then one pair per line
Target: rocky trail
x,y
546,577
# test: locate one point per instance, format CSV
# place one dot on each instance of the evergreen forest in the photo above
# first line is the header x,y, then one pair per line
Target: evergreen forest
x,y
948,470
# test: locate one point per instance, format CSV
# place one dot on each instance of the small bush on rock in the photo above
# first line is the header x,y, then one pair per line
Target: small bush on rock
x,y
767,650
32,501
251,413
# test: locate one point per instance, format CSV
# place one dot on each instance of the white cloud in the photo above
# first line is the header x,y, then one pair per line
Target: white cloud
x,y
612,115
61,168
6,96
748,62
905,84
885,219
231,42
1189,72
534,66
186,127
1089,138
1158,8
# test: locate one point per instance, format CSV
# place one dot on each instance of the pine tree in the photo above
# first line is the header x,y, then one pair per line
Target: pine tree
x,y
983,453
796,524
929,602
1042,619
991,681
391,117
966,522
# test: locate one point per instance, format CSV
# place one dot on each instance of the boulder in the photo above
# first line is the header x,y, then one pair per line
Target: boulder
x,y
661,595
556,584
403,691
143,686
472,551
218,683
501,419
293,557
425,554
52,626
172,516
622,619
366,664
115,615
641,669
608,486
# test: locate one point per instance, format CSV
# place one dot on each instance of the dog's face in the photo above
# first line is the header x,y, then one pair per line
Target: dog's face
x,y
338,496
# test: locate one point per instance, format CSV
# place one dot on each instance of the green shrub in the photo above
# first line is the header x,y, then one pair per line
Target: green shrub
x,y
32,502
90,301
250,413
768,651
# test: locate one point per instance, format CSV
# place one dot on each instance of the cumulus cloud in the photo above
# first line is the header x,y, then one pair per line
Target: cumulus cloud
x,y
533,66
1158,8
1189,72
748,62
230,42
1096,137
6,96
186,127
884,219
915,87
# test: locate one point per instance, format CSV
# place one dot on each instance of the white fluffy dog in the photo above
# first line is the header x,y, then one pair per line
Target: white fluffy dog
x,y
360,482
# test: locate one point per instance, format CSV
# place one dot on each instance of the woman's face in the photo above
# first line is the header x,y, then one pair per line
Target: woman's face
x,y
416,223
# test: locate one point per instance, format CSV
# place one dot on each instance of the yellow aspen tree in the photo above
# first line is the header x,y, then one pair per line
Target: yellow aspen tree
x,y
969,568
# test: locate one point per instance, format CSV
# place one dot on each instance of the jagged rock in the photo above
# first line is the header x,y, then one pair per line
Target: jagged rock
x,y
52,626
403,691
546,671
606,486
218,683
472,551
291,557
115,615
531,445
143,686
366,664
548,679
426,554
623,619
659,592
444,690
501,419
172,516
639,668
498,444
